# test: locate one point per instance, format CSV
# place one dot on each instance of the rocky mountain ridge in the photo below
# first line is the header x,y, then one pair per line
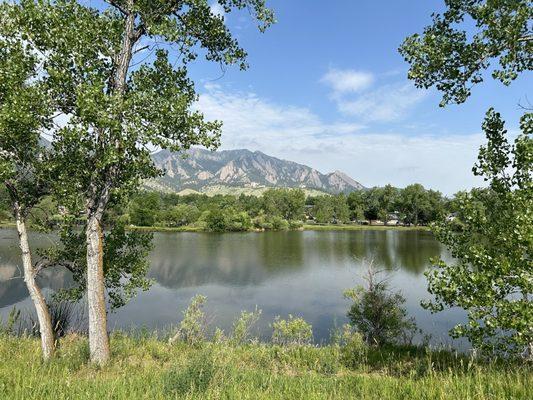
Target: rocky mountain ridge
x,y
202,170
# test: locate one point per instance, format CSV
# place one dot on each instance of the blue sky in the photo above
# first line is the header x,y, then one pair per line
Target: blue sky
x,y
327,87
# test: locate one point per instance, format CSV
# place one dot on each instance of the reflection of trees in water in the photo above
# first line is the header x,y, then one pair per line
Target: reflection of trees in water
x,y
406,250
191,259
12,286
390,249
281,251
239,259
13,289
415,248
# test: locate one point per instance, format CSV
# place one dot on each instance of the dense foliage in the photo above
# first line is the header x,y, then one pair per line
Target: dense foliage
x,y
491,240
115,102
463,41
278,209
491,235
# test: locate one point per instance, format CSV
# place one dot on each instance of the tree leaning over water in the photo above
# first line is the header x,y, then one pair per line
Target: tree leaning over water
x,y
120,102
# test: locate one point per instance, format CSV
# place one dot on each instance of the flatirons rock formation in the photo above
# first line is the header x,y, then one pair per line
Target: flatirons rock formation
x,y
205,171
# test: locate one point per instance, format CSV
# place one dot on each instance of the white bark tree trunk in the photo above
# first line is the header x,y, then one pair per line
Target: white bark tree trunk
x,y
98,338
43,313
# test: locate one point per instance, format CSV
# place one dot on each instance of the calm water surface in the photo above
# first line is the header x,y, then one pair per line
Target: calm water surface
x,y
299,273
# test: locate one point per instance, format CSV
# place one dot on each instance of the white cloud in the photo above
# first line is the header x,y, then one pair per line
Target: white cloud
x,y
347,81
387,103
373,158
352,91
248,119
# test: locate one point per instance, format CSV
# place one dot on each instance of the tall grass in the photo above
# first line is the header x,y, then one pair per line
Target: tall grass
x,y
144,367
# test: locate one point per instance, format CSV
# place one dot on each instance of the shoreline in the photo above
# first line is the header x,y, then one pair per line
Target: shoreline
x,y
305,227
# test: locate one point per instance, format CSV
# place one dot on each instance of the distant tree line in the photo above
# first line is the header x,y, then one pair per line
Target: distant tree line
x,y
280,209
276,209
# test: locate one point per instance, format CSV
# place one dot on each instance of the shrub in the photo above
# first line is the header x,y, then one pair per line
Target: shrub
x,y
294,224
353,347
192,328
181,214
216,221
239,222
279,224
378,313
294,331
65,317
243,326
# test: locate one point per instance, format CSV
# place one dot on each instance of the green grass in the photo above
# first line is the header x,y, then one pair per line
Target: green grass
x,y
146,368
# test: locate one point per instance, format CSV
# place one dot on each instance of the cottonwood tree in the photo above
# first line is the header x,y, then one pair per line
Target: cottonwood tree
x,y
452,54
121,102
492,277
491,241
413,203
24,113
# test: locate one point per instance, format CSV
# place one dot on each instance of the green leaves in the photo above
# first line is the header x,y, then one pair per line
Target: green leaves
x,y
492,240
453,59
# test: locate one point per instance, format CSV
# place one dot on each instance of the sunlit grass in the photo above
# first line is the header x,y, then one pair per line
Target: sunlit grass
x,y
148,368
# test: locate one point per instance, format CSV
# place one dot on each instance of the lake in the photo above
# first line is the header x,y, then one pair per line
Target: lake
x,y
303,273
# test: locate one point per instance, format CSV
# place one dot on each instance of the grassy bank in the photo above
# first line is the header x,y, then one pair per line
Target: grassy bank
x,y
147,368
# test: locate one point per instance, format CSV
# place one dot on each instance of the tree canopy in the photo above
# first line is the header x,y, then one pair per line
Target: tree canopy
x,y
471,35
491,240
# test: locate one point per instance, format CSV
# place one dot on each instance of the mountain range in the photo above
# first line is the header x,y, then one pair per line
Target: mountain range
x,y
241,171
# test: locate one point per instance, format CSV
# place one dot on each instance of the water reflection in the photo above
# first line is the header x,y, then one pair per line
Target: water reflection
x,y
302,273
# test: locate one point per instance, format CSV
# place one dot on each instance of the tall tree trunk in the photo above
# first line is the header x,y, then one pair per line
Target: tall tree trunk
x,y
98,338
43,313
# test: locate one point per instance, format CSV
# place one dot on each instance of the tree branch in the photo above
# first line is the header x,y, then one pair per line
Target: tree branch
x,y
117,6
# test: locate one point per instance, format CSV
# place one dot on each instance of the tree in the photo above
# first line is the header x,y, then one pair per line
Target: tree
x,y
286,203
24,113
117,111
356,204
323,211
372,204
490,272
181,214
436,206
144,209
387,197
453,59
340,208
492,277
294,204
413,203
